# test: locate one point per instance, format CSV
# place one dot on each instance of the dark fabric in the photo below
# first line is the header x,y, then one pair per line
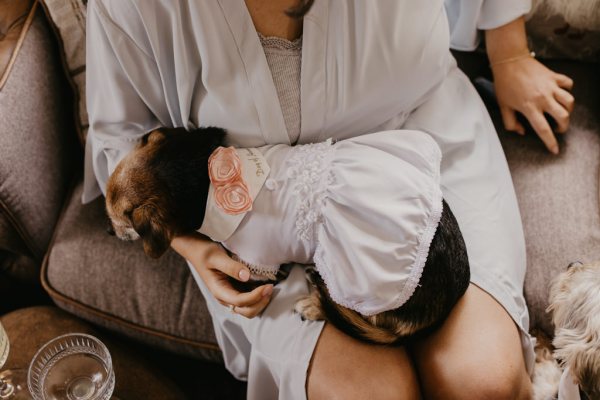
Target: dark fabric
x,y
35,151
558,196
114,284
136,378
15,258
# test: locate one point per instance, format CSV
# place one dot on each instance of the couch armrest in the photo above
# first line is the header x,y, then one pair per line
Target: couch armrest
x,y
38,149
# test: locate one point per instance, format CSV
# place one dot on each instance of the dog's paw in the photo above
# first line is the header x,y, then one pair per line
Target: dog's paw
x,y
309,308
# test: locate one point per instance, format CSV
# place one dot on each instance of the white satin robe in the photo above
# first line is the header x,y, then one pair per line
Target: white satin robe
x,y
468,18
367,66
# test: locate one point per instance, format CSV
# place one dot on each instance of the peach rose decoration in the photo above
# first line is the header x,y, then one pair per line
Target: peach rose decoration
x,y
225,172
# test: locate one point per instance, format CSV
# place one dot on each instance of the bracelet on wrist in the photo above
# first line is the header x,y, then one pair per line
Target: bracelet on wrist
x,y
530,54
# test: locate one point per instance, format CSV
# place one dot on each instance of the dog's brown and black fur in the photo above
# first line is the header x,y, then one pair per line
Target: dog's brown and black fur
x,y
160,190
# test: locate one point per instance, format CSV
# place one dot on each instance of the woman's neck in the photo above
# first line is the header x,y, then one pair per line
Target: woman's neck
x,y
270,19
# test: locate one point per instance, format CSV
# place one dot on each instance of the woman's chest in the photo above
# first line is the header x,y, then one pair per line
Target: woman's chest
x,y
363,63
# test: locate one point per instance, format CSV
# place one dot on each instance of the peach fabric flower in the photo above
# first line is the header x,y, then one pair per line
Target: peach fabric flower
x,y
231,193
224,166
233,198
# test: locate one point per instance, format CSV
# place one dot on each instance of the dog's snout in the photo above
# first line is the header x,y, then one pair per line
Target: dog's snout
x,y
574,264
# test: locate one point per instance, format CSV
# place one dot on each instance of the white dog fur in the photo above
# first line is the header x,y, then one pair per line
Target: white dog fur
x,y
547,373
575,307
582,14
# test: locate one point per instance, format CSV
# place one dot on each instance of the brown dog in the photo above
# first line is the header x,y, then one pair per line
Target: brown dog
x,y
160,190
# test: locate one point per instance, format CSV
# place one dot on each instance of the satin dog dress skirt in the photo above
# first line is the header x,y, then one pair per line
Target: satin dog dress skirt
x,y
364,210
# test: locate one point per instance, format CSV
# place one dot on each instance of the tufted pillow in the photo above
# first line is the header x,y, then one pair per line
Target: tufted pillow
x,y
68,19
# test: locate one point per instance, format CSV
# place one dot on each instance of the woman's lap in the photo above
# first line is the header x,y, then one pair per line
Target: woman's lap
x,y
271,352
274,352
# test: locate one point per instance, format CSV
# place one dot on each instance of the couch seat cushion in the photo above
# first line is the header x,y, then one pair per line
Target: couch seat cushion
x,y
114,284
558,195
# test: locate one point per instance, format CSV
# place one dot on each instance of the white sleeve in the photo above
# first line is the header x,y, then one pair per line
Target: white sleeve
x,y
468,17
118,114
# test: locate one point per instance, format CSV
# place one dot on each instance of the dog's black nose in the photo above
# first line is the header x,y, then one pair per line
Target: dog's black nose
x,y
110,230
574,264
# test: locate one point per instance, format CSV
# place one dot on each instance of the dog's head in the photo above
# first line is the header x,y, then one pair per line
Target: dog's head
x,y
575,307
159,189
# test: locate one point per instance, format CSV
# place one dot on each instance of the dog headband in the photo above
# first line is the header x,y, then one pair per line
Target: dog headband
x,y
236,176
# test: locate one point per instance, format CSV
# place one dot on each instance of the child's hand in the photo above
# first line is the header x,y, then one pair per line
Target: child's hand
x,y
220,273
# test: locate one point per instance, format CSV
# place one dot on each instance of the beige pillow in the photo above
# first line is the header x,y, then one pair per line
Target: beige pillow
x,y
68,18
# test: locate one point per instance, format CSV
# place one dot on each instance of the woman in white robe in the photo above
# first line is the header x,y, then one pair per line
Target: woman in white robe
x,y
366,67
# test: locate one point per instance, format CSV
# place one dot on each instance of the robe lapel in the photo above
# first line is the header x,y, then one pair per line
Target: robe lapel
x,y
313,74
261,89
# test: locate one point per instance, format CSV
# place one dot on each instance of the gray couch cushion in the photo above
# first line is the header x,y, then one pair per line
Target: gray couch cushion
x,y
558,196
36,153
114,284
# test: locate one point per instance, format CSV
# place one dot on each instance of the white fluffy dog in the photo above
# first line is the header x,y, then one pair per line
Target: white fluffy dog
x,y
575,307
581,14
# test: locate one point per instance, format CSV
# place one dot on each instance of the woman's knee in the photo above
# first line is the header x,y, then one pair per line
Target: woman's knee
x,y
344,368
477,353
481,381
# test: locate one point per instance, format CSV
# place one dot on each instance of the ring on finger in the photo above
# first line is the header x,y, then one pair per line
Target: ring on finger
x,y
232,308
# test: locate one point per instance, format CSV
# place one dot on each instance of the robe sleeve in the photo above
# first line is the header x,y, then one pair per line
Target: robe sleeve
x,y
468,17
119,112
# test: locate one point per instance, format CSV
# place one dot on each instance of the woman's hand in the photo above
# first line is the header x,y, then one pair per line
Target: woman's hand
x,y
525,85
218,271
530,88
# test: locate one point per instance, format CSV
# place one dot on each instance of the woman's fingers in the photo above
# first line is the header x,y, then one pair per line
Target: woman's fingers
x,y
540,125
565,98
254,310
509,118
527,86
220,261
223,290
559,113
564,81
218,270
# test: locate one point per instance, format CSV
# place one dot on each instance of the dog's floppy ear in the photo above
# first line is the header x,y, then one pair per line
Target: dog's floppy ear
x,y
152,226
154,136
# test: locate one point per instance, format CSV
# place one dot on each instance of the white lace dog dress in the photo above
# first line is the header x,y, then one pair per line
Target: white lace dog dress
x,y
363,210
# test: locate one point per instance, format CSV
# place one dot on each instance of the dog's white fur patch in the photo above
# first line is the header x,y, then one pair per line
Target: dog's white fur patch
x,y
582,14
546,376
575,306
309,307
